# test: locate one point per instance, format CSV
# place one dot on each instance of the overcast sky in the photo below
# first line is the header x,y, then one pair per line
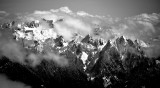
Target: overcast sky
x,y
115,8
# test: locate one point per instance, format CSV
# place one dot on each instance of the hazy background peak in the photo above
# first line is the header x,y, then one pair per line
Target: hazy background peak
x,y
115,8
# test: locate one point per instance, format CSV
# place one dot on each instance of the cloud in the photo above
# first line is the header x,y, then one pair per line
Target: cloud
x,y
78,24
3,14
67,27
13,51
70,26
143,26
35,59
147,26
7,83
138,26
16,53
64,31
42,12
154,17
60,60
10,48
82,13
64,9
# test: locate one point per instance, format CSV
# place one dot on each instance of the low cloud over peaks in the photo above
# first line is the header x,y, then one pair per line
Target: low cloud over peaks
x,y
71,22
15,52
7,83
66,23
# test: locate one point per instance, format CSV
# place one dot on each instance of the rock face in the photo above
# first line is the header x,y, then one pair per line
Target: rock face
x,y
93,63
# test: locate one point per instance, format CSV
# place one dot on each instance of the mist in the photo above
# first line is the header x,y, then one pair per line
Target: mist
x,y
7,83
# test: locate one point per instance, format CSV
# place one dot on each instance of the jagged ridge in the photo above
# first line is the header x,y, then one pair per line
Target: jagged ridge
x,y
120,62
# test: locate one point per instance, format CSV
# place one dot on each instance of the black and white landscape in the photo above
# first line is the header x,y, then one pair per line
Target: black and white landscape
x,y
61,48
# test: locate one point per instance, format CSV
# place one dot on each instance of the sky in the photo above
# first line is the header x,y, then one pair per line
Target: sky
x,y
114,8
145,28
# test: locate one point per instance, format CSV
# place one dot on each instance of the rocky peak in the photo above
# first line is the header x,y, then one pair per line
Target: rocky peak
x,y
86,39
50,23
59,41
7,25
115,59
32,24
121,40
107,46
130,42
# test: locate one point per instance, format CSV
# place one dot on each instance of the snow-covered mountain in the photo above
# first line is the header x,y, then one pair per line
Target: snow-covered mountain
x,y
66,52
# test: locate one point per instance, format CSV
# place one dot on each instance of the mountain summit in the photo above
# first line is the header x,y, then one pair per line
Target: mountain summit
x,y
46,53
